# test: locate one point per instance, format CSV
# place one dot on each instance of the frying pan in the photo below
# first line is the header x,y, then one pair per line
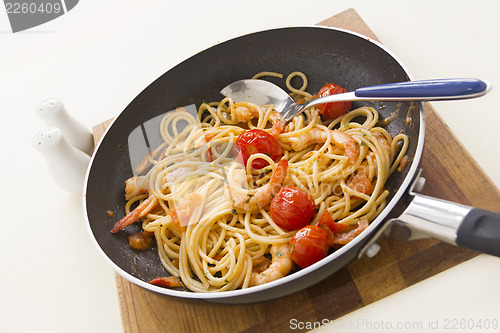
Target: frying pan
x,y
324,55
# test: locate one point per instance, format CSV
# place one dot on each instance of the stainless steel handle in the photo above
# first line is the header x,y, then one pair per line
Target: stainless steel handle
x,y
453,223
450,222
430,217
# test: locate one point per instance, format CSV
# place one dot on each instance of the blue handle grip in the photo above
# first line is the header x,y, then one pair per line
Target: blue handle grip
x,y
426,89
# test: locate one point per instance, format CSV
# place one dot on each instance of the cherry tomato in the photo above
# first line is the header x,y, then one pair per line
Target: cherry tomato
x,y
309,245
336,109
258,141
292,208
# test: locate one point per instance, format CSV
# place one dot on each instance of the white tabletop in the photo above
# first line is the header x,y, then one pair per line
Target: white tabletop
x,y
101,54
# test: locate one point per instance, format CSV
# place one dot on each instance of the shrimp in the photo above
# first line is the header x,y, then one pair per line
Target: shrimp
x,y
242,199
345,237
138,184
145,164
246,111
134,186
260,264
169,282
361,183
187,207
403,163
140,211
317,135
280,266
383,142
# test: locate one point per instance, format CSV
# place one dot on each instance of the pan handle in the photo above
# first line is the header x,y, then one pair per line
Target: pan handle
x,y
480,230
453,223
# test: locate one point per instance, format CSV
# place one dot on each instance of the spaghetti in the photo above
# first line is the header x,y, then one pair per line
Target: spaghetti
x,y
210,239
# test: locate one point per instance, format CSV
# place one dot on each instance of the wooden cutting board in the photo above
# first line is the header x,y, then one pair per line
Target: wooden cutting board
x,y
451,174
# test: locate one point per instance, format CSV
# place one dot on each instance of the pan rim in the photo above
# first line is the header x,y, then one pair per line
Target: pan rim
x,y
363,237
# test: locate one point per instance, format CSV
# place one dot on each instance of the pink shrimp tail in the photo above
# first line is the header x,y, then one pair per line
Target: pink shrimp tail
x,y
134,215
279,175
351,151
278,126
347,142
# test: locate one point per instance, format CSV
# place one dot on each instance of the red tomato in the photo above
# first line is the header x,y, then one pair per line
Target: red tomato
x,y
292,208
309,245
336,109
258,141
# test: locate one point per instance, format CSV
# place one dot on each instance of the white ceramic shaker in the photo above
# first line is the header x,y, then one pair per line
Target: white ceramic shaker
x,y
67,165
54,114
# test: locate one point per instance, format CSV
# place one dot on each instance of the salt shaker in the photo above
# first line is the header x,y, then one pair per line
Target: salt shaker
x,y
53,112
67,165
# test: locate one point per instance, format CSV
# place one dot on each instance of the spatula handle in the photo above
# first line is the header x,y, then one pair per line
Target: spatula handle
x,y
438,89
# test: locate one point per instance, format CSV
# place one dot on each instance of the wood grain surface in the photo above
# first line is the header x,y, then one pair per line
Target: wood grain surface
x,y
451,174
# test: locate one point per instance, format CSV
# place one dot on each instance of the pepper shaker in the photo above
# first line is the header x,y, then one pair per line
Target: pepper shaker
x,y
67,165
53,112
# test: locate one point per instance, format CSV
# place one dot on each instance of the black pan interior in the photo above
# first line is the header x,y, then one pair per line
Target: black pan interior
x,y
324,55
